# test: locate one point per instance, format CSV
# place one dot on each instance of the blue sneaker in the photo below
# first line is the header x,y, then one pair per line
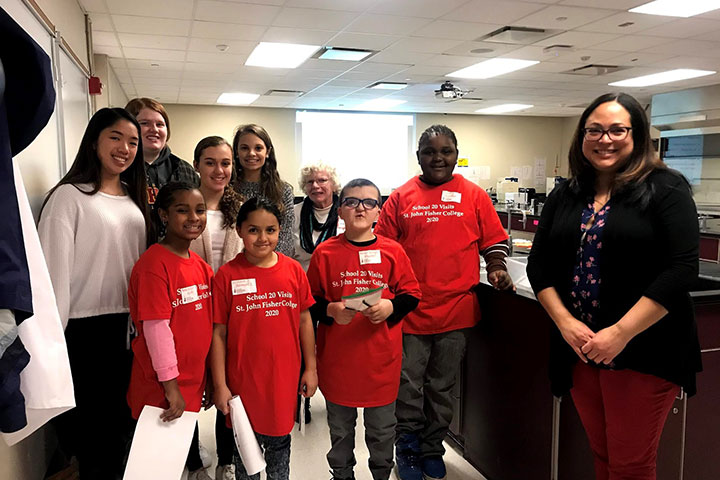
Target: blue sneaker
x,y
433,467
407,457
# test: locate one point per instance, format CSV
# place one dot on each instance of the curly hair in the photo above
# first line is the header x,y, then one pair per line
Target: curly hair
x,y
231,200
307,171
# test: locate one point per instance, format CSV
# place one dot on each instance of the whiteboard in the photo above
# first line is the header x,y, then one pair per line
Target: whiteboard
x,y
75,96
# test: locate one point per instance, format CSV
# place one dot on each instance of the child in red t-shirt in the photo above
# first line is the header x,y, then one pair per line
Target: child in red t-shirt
x,y
262,325
170,304
360,352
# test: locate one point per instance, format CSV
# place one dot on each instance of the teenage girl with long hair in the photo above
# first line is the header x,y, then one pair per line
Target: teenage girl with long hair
x,y
93,227
256,167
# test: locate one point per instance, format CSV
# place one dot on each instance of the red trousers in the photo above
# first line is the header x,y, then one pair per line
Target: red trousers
x,y
623,412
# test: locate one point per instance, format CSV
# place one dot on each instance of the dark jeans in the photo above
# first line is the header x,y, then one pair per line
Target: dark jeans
x,y
277,457
100,364
379,438
429,371
224,440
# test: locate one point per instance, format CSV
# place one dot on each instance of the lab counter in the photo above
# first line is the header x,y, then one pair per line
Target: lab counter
x,y
509,425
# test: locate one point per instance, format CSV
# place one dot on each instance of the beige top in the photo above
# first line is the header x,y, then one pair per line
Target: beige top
x,y
232,245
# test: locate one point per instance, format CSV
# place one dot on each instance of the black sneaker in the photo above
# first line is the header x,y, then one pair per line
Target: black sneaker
x,y
407,457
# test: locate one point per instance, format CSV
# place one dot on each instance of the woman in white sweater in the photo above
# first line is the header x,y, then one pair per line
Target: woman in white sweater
x,y
93,227
218,244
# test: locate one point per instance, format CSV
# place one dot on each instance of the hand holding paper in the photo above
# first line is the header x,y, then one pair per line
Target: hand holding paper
x,y
380,311
247,445
341,314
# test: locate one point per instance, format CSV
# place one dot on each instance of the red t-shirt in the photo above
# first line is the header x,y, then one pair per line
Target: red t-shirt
x,y
261,308
442,228
359,363
162,286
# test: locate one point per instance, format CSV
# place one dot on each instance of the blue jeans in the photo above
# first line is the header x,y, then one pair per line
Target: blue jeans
x,y
277,457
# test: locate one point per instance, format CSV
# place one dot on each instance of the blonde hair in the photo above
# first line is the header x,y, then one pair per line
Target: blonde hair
x,y
308,170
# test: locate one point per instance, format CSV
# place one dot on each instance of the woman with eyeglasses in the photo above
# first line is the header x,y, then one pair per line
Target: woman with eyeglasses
x,y
316,217
614,256
444,222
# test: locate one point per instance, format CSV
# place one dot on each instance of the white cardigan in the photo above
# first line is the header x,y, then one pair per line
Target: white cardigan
x,y
231,246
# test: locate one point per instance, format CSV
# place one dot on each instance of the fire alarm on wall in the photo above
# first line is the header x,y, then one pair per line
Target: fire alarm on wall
x,y
95,86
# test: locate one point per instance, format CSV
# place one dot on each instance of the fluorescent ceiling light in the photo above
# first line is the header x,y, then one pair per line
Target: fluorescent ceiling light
x,y
380,104
675,8
280,55
348,54
237,98
388,85
504,108
492,68
662,77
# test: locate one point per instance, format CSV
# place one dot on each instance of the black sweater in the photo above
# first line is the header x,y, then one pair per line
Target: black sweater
x,y
650,252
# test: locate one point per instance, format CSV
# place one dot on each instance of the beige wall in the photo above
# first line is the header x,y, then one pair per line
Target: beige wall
x,y
69,20
499,142
113,94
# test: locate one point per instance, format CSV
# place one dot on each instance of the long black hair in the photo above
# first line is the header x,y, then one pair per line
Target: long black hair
x,y
86,168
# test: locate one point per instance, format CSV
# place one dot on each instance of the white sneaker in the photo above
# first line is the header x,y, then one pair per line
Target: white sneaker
x,y
225,472
200,474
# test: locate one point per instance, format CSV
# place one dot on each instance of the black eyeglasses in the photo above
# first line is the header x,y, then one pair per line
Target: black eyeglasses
x,y
614,133
353,202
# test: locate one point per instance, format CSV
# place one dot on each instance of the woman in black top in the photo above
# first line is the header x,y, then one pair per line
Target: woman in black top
x,y
614,257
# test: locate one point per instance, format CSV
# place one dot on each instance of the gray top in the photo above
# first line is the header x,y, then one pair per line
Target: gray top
x,y
285,242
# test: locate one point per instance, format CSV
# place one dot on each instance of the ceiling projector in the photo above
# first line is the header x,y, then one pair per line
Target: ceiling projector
x,y
449,91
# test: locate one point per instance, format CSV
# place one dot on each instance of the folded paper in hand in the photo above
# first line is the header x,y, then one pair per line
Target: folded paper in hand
x,y
362,300
247,445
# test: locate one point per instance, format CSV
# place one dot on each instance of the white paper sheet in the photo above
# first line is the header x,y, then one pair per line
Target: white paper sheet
x,y
362,300
247,445
301,415
159,449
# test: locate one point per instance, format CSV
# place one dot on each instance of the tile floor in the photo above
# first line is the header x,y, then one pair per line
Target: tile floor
x,y
307,461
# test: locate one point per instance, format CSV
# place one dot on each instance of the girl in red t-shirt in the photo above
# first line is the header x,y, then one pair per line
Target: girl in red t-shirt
x,y
171,308
262,324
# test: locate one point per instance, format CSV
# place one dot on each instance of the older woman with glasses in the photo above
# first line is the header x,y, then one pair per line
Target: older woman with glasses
x,y
316,217
614,256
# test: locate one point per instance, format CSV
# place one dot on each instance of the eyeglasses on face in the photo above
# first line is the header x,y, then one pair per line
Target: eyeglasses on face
x,y
320,181
614,133
353,202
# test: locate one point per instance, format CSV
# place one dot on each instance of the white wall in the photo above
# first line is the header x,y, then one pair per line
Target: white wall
x,y
500,142
112,94
69,20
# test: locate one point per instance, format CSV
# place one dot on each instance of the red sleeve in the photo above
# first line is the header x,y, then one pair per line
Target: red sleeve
x,y
491,230
153,296
387,224
402,277
221,297
305,299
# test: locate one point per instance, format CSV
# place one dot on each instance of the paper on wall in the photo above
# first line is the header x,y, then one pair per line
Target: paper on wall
x,y
159,449
247,445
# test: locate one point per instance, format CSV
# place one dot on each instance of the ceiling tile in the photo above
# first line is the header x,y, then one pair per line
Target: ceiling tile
x,y
150,25
684,61
94,6
393,56
488,11
152,41
683,47
456,30
685,28
227,31
235,47
564,18
452,61
363,40
386,24
302,17
346,5
181,9
210,68
631,43
242,13
417,8
145,76
161,65
297,35
578,39
481,50
216,57
376,67
104,39
425,45
638,22
639,58
101,22
154,54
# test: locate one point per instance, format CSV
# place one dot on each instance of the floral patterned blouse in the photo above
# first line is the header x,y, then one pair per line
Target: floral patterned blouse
x,y
585,292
